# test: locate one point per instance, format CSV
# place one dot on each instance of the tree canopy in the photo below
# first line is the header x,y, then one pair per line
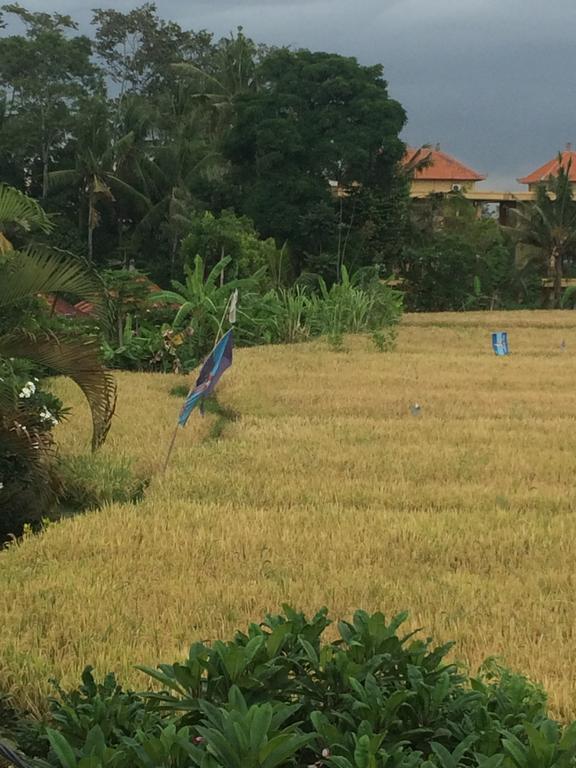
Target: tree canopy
x,y
129,132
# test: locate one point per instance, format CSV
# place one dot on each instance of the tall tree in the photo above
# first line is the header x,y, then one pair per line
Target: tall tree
x,y
99,165
43,74
139,50
316,118
218,80
180,165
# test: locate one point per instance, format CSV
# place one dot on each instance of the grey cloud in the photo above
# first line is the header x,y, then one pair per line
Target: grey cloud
x,y
493,80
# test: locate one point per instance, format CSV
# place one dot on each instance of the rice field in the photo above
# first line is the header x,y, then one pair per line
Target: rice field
x,y
326,490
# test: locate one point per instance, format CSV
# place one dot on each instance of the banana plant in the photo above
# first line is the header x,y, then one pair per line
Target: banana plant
x,y
202,299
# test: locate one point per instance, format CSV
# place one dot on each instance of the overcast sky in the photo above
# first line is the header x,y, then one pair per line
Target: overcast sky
x,y
493,81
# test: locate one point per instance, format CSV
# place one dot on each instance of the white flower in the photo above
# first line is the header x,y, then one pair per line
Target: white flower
x,y
45,415
1,485
28,390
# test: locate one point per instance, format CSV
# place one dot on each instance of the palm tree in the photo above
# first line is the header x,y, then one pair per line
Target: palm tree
x,y
97,173
234,72
35,270
549,224
178,162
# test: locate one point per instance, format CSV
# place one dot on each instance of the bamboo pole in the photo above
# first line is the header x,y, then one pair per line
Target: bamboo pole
x,y
217,339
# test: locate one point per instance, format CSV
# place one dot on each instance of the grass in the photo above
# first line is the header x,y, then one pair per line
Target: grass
x,y
326,491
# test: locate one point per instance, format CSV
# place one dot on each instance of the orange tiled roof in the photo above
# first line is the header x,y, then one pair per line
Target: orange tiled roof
x,y
552,167
443,167
59,306
84,307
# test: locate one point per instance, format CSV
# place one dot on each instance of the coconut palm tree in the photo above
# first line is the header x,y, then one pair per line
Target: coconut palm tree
x,y
179,162
98,171
233,72
549,224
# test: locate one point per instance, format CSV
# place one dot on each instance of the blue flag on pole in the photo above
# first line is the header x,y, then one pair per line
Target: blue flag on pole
x,y
216,363
500,343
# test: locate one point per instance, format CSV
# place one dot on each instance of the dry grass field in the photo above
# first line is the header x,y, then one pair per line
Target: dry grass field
x,y
326,490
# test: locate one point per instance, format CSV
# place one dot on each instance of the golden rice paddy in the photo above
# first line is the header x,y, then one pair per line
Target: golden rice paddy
x,y
326,490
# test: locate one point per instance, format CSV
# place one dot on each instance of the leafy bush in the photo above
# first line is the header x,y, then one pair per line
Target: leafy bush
x,y
356,304
27,411
228,235
28,414
353,305
277,695
458,261
202,300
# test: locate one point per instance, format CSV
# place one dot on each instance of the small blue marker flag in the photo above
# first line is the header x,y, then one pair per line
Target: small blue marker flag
x,y
216,363
500,343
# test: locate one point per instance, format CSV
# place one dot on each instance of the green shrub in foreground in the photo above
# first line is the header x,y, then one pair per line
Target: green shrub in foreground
x,y
278,696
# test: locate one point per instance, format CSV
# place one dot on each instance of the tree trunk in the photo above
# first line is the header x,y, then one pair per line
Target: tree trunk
x,y
339,252
45,157
90,229
120,328
93,221
90,243
173,251
557,264
45,152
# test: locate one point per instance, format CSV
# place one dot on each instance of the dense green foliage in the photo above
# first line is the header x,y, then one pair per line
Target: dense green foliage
x,y
278,695
197,308
174,169
152,144
30,350
320,117
455,261
549,225
132,135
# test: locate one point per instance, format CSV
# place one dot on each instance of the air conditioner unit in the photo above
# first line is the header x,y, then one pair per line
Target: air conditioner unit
x,y
456,188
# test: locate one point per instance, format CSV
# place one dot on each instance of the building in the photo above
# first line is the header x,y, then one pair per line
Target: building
x,y
436,171
565,159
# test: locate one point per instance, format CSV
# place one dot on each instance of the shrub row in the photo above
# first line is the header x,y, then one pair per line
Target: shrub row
x,y
277,695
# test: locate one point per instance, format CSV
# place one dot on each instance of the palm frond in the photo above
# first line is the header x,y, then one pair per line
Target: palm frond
x,y
18,210
35,271
192,70
129,192
77,358
13,758
65,178
8,395
154,217
167,296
